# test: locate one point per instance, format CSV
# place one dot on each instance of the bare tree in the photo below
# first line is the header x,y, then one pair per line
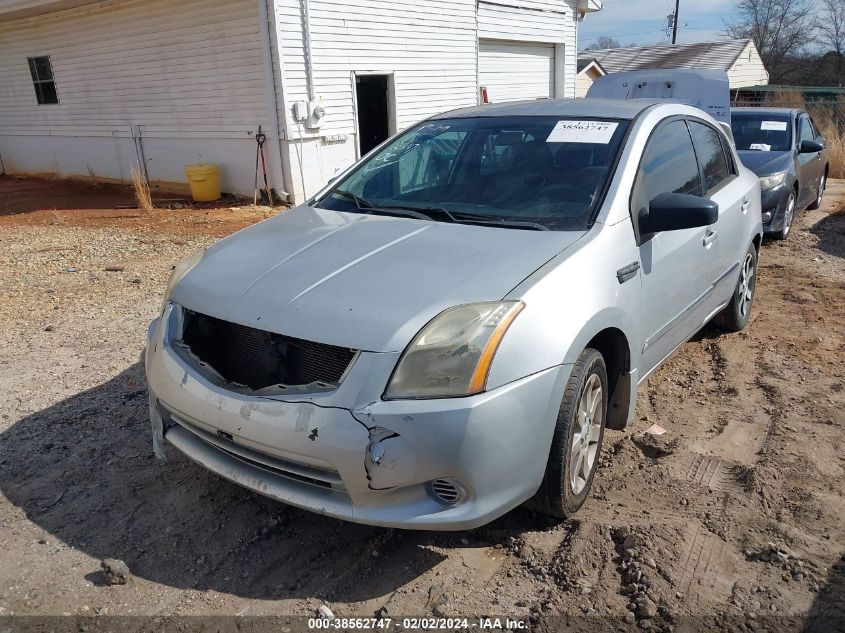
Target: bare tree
x,y
604,42
780,29
831,34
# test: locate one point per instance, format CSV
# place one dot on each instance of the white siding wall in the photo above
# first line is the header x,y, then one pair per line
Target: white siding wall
x,y
428,45
190,73
748,69
551,21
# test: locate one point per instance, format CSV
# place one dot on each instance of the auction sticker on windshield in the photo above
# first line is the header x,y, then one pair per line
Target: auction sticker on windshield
x,y
582,132
774,126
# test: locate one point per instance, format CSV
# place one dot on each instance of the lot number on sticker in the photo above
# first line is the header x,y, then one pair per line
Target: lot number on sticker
x,y
776,126
582,132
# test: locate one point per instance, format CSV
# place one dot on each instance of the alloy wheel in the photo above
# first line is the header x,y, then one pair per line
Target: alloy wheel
x,y
822,186
585,438
747,281
788,214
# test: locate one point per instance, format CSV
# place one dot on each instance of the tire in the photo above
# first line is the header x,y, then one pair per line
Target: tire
x,y
735,316
561,494
788,217
822,186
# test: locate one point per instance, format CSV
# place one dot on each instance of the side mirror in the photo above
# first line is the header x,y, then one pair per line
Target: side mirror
x,y
674,211
810,147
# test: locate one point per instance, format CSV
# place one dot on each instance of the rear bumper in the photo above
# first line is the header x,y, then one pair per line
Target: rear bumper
x,y
372,463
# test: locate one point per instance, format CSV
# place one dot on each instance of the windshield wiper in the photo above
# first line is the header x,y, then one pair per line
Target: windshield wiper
x,y
425,213
405,212
466,217
360,202
510,224
368,207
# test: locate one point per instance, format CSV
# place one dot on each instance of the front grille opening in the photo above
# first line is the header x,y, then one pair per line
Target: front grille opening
x,y
258,359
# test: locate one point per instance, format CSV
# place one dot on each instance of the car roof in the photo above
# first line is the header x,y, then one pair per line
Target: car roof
x,y
591,108
768,111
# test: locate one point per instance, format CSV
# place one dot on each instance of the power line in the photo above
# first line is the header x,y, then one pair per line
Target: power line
x,y
591,39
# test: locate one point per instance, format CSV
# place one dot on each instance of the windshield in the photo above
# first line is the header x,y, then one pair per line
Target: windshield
x,y
761,132
522,172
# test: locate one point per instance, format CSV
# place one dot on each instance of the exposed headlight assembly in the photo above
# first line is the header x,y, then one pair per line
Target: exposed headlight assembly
x,y
452,354
770,182
181,269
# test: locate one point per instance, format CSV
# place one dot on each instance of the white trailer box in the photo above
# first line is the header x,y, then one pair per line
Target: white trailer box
x,y
708,90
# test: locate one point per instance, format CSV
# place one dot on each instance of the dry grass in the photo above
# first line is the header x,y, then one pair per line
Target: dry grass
x,y
142,191
834,134
830,119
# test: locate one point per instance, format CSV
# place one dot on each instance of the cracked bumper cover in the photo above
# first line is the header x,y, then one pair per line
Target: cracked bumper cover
x,y
774,201
383,455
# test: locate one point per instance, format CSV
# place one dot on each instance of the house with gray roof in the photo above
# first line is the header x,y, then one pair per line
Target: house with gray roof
x,y
739,58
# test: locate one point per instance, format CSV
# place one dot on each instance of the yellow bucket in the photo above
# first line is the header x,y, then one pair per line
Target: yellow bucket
x,y
204,179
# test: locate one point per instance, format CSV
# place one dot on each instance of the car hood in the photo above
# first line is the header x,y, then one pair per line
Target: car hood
x,y
765,163
360,281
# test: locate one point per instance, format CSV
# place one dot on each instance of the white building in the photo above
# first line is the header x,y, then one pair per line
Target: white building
x,y
589,70
740,59
90,88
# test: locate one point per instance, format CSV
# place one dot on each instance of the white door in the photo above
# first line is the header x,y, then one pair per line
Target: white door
x,y
516,70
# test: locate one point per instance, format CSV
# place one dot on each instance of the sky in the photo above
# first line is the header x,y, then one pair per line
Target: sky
x,y
644,21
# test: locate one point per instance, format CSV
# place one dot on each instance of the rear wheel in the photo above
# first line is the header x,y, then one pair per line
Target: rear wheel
x,y
735,316
822,185
788,217
577,439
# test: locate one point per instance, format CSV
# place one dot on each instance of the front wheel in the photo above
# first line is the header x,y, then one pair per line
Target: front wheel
x,y
735,316
577,439
788,217
822,185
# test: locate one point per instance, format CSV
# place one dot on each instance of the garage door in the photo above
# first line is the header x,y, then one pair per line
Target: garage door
x,y
516,70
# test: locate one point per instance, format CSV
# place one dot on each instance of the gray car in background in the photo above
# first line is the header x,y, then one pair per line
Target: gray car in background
x,y
785,149
446,330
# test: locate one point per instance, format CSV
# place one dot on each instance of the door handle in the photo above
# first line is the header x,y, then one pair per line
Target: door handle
x,y
745,206
710,236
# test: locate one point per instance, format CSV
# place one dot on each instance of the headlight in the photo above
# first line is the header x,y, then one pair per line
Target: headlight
x,y
770,182
181,269
451,355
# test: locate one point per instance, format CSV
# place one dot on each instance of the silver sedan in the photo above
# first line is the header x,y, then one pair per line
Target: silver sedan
x,y
446,331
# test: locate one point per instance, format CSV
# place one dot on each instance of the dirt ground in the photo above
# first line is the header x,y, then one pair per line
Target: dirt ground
x,y
732,520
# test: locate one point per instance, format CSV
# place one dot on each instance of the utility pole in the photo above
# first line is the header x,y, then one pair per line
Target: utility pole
x,y
675,22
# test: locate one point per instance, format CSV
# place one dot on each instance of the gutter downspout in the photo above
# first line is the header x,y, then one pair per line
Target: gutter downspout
x,y
306,36
272,95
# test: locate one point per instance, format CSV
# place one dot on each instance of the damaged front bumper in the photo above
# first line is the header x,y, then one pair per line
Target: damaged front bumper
x,y
373,463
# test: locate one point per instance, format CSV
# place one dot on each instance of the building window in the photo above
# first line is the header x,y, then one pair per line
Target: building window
x,y
42,78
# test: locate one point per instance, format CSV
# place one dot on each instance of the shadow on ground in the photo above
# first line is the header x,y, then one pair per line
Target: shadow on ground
x,y
83,471
831,234
827,614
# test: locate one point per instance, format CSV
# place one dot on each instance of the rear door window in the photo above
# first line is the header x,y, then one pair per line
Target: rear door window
x,y
711,155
